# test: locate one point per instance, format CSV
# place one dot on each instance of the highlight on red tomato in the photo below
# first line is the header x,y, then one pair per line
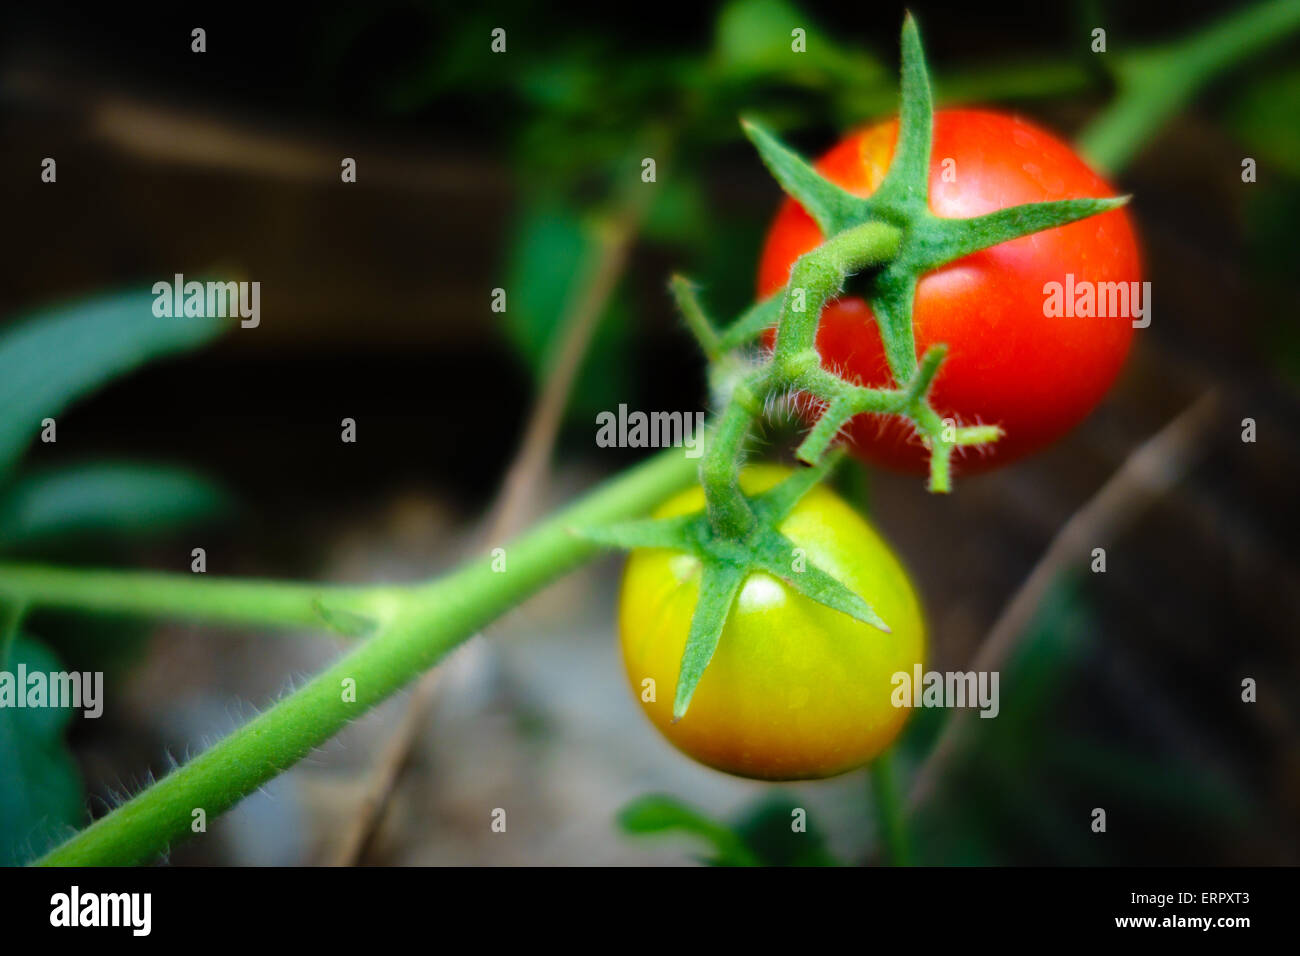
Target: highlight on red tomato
x,y
1013,359
795,689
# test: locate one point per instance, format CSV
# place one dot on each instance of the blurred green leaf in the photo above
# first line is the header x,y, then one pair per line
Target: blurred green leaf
x,y
755,39
90,641
768,829
107,498
1046,659
977,811
550,256
42,800
1266,116
764,835
1158,784
754,36
59,355
548,248
661,814
1016,776
680,212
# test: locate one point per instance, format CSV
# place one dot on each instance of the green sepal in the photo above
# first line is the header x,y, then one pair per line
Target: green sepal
x,y
726,562
939,241
832,207
719,584
773,552
908,180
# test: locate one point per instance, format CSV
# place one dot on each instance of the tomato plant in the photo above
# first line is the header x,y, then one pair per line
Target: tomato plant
x,y
769,616
794,688
1008,363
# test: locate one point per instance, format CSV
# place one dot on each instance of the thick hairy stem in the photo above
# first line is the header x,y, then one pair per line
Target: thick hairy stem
x,y
818,276
427,622
729,513
815,278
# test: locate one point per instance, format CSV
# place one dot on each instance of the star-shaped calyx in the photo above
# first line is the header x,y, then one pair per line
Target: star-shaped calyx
x,y
924,243
726,562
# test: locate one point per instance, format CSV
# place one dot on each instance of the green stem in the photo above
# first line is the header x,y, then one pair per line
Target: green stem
x,y
815,278
688,304
729,512
426,623
195,597
889,811
1155,83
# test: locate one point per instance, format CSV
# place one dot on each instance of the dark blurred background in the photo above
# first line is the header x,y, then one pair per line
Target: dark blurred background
x,y
478,171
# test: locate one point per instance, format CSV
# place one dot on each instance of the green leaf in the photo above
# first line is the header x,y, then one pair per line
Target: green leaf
x,y
548,250
753,38
61,354
753,43
88,641
1263,116
550,257
719,584
766,828
41,796
116,498
663,814
830,205
679,212
762,836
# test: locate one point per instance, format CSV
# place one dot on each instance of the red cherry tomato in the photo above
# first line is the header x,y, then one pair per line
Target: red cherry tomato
x,y
1008,363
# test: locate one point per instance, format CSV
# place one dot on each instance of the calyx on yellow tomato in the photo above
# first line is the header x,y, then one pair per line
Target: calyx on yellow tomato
x,y
795,689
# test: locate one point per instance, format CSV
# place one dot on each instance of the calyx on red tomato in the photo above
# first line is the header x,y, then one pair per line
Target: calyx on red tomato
x,y
1009,363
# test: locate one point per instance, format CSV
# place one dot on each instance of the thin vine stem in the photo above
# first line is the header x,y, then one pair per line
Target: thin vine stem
x,y
197,597
1155,82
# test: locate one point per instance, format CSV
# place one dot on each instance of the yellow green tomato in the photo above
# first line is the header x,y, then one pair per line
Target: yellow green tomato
x,y
795,689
